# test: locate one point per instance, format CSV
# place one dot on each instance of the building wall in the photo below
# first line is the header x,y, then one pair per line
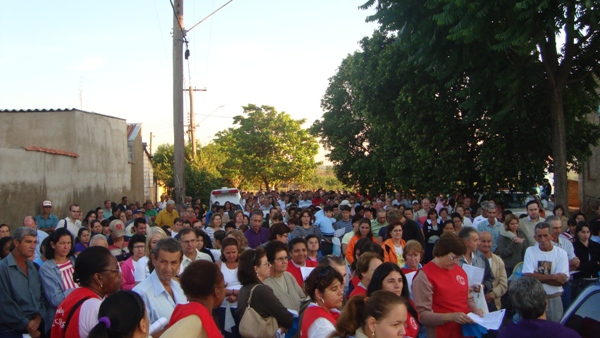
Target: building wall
x,y
27,178
136,163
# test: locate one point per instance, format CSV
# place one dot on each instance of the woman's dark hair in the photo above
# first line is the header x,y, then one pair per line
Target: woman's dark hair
x,y
136,239
119,315
559,207
381,273
229,225
432,211
228,241
54,238
278,229
200,233
3,242
365,220
364,260
320,279
88,215
297,240
449,243
359,308
580,226
200,279
79,233
90,261
94,222
220,235
305,211
273,248
248,260
357,249
371,246
577,214
356,218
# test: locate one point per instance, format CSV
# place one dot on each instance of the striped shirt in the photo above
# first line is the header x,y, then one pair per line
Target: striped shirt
x,y
66,272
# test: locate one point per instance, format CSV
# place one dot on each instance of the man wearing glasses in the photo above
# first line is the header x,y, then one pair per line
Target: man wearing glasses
x,y
72,223
46,221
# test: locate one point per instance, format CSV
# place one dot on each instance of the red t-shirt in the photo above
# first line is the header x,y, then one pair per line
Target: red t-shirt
x,y
295,271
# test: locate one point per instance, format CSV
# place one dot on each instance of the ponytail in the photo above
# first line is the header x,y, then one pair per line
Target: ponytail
x,y
351,318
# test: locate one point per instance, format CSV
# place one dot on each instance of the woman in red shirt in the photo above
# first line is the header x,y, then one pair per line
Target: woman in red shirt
x,y
326,291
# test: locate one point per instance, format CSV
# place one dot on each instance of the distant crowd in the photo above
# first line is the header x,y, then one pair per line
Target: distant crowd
x,y
295,264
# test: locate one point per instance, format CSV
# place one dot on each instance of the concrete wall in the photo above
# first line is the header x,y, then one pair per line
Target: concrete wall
x,y
136,163
27,178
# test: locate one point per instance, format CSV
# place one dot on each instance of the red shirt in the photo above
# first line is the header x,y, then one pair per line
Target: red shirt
x,y
313,313
295,271
65,308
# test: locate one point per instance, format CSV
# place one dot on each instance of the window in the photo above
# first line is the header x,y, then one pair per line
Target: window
x,y
586,319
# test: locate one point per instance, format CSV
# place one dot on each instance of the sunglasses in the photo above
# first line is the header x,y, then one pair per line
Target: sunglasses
x,y
323,273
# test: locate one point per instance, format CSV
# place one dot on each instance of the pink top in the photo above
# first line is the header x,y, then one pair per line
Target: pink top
x,y
128,275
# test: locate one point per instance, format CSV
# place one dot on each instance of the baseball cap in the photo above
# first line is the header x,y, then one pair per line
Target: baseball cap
x,y
46,203
170,202
345,202
117,227
415,202
139,211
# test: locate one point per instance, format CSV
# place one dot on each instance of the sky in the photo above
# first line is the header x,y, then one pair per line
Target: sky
x,y
115,58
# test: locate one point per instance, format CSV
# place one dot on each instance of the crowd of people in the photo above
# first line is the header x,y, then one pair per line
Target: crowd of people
x,y
298,264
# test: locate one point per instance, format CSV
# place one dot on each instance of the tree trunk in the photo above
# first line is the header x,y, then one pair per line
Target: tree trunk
x,y
559,147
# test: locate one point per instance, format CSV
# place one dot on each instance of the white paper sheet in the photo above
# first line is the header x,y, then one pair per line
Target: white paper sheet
x,y
474,274
409,278
490,321
340,232
305,272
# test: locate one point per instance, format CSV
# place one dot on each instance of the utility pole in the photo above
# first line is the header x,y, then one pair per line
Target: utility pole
x,y
150,143
192,128
178,155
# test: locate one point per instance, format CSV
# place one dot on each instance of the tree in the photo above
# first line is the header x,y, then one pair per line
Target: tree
x,y
268,147
202,175
390,124
557,43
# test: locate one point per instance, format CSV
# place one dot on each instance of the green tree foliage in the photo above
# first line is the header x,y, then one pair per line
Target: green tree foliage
x,y
202,175
267,147
390,123
503,53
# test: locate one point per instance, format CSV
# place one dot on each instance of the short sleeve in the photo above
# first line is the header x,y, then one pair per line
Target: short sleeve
x,y
88,316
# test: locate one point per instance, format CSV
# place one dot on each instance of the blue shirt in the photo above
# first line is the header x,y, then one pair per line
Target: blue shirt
x,y
494,230
324,223
21,296
40,238
158,301
46,223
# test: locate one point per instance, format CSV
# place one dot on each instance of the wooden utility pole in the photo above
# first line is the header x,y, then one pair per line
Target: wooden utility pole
x,y
150,143
178,155
192,128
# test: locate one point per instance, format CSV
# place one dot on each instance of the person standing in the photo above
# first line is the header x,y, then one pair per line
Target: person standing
x,y
500,283
549,265
527,224
167,216
46,221
72,223
22,303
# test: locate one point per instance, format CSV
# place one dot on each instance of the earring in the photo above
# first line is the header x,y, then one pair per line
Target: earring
x,y
322,301
373,334
101,286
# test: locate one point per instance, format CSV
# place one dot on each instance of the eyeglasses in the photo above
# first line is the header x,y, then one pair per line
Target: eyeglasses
x,y
115,271
267,264
452,258
282,259
139,246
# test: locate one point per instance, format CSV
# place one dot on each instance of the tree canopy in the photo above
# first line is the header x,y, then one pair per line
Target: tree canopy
x,y
533,61
268,147
415,109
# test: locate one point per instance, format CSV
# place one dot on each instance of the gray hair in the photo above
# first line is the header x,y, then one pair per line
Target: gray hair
x,y
98,238
490,206
21,232
541,226
169,245
528,297
465,232
552,218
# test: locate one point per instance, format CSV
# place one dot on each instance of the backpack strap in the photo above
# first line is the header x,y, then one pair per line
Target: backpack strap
x,y
66,223
73,309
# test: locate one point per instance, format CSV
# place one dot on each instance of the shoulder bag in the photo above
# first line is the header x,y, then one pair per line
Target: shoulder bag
x,y
253,325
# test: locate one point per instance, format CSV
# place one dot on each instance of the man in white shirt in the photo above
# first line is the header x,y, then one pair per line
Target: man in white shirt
x,y
160,292
73,224
189,240
550,265
565,244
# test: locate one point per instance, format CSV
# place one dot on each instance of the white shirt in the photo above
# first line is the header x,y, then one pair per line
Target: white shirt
x,y
88,316
73,227
546,262
158,301
140,269
187,261
320,328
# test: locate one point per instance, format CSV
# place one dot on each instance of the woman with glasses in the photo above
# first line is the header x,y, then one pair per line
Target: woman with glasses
x,y
228,264
441,290
56,274
253,269
143,267
389,277
325,287
137,247
284,285
98,275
